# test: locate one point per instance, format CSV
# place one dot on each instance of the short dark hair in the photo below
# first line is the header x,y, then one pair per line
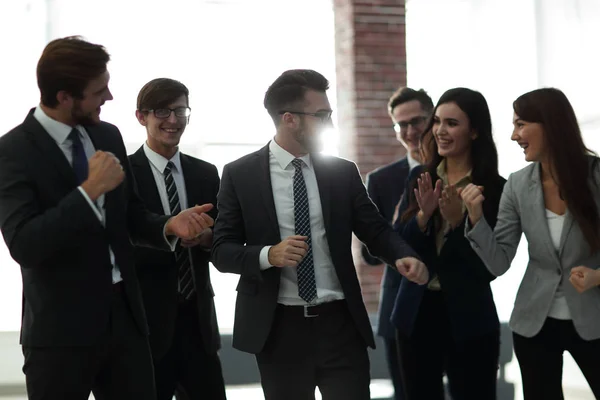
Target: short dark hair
x,y
69,64
567,153
289,89
405,94
160,92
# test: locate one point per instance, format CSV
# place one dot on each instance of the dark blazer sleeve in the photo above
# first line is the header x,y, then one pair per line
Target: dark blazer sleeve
x,y
230,253
457,245
33,233
371,228
372,192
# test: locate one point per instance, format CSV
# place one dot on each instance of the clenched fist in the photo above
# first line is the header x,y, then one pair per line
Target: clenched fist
x,y
414,270
289,252
472,196
105,174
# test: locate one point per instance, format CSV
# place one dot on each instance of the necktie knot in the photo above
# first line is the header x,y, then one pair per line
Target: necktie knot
x,y
297,163
169,167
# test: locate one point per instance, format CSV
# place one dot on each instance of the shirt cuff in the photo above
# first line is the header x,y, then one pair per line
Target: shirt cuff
x,y
91,203
264,258
172,242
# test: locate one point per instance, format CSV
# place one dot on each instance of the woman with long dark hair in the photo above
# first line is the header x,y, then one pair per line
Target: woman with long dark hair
x,y
450,325
555,202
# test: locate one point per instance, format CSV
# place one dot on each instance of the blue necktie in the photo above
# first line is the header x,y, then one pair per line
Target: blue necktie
x,y
80,161
307,288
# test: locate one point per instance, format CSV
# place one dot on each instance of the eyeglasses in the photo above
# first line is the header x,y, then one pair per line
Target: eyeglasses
x,y
164,113
402,126
324,116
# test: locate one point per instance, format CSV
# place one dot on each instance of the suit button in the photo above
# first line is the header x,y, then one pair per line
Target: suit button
x,y
559,271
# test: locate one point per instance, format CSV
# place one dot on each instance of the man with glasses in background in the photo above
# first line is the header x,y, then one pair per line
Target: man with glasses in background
x,y
285,224
409,110
176,287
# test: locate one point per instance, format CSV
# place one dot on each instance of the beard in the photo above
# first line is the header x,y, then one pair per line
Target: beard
x,y
80,117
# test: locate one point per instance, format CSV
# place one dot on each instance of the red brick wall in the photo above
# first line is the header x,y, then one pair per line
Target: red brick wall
x,y
370,65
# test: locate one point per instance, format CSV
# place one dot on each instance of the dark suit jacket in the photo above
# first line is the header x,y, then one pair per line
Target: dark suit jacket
x,y
247,222
157,270
385,186
464,279
53,233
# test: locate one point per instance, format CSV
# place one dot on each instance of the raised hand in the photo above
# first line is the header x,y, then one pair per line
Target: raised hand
x,y
413,269
473,197
427,196
105,174
451,205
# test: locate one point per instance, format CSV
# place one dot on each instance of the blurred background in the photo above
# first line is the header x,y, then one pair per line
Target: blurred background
x,y
228,51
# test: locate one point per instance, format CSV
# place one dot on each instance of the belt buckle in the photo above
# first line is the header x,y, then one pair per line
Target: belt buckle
x,y
307,313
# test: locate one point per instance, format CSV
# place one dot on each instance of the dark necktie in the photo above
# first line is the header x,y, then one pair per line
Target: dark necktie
x,y
307,288
184,270
80,161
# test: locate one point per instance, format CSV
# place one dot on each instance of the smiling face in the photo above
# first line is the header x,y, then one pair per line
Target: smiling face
x,y
452,131
164,134
530,136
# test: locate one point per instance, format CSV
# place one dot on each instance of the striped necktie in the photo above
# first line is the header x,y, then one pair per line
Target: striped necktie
x,y
182,256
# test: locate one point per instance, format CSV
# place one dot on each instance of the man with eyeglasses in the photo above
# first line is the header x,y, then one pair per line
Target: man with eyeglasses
x,y
409,110
176,287
285,224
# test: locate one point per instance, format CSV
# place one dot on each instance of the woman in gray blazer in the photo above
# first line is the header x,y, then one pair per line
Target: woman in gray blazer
x,y
555,202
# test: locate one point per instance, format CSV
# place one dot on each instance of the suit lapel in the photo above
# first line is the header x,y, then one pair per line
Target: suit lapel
x,y
538,211
146,182
49,150
265,188
567,225
325,193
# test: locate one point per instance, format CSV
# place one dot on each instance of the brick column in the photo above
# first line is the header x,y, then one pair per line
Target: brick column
x,y
370,65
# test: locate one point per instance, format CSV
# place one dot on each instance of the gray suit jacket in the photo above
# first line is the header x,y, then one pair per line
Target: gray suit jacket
x,y
522,209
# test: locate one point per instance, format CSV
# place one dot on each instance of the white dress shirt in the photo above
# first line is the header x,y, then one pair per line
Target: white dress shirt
x,y
60,133
282,179
158,164
559,308
411,161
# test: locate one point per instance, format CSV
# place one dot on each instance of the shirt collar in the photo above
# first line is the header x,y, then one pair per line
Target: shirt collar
x,y
161,162
284,158
441,173
411,161
56,129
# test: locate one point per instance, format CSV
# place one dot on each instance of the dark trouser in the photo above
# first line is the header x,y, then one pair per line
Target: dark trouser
x,y
391,355
187,368
471,366
541,359
118,367
303,353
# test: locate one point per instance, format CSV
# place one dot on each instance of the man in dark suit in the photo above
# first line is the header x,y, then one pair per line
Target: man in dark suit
x,y
409,110
176,288
286,218
68,212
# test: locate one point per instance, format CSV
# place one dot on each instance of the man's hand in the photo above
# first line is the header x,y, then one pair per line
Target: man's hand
x,y
584,278
472,195
204,240
414,270
289,252
190,223
105,174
